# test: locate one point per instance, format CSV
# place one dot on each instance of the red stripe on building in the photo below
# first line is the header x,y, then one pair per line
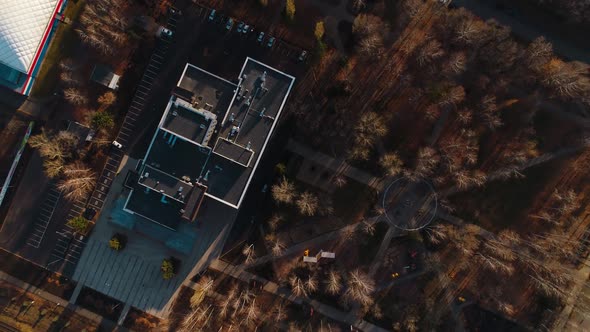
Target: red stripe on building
x,y
43,41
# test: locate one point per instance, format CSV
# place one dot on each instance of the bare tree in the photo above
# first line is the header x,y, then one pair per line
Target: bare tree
x,y
391,163
249,254
68,78
340,180
430,51
106,100
456,64
369,31
251,313
75,96
78,181
359,288
311,284
278,313
297,286
307,203
277,247
274,221
538,53
203,286
567,80
284,191
333,282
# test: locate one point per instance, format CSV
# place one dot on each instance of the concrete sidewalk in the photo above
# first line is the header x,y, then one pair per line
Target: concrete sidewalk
x,y
59,301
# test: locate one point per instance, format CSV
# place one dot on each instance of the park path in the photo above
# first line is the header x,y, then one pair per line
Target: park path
x,y
338,165
301,246
273,288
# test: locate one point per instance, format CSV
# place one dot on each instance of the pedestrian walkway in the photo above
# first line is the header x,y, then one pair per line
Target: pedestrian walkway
x,y
275,289
339,166
300,247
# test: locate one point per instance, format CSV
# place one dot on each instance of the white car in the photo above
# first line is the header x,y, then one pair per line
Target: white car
x,y
117,144
164,33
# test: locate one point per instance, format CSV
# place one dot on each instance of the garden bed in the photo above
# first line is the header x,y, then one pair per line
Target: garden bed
x,y
138,320
99,303
24,311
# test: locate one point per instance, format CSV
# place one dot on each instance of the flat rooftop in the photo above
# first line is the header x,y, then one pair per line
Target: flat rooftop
x,y
166,184
209,141
258,103
205,90
175,156
182,119
148,204
237,153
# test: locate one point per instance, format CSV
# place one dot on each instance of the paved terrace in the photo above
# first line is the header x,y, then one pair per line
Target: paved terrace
x,y
133,275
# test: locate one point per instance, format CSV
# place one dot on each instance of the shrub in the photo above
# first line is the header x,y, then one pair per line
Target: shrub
x,y
102,120
118,242
319,30
79,224
290,10
167,268
281,168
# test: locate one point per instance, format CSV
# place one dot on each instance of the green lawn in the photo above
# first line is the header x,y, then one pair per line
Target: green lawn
x,y
62,44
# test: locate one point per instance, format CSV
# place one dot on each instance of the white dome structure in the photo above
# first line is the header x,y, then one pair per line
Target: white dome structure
x,y
25,29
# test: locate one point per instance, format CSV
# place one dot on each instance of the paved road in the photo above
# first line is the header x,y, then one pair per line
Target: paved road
x,y
526,29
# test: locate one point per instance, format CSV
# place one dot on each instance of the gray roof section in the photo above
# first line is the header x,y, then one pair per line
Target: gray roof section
x,y
173,155
182,119
166,184
206,90
262,94
233,151
148,204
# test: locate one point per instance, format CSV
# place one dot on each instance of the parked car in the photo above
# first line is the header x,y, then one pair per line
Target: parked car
x,y
229,24
260,37
246,29
303,56
164,33
117,145
240,27
271,42
212,15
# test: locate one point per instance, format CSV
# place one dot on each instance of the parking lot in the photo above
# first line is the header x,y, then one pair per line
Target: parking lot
x,y
39,232
46,211
229,41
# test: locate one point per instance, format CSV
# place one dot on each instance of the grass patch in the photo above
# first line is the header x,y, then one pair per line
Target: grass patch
x,y
64,40
353,200
505,204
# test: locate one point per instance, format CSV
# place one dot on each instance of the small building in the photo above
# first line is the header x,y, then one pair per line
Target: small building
x,y
26,28
104,75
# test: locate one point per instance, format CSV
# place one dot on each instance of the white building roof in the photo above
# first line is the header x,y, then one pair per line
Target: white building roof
x,y
23,26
